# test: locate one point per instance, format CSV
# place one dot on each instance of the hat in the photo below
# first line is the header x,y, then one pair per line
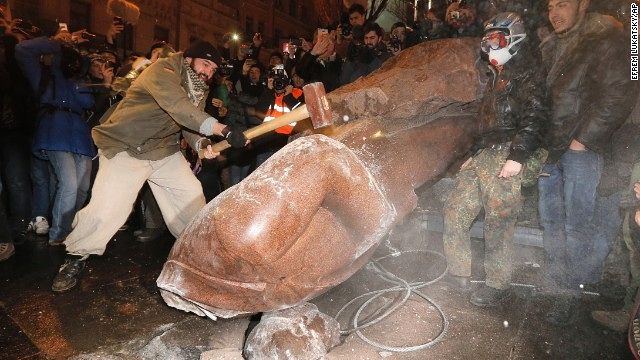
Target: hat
x,y
203,50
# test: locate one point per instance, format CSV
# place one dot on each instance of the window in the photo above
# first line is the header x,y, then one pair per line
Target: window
x,y
80,16
293,7
303,12
160,34
261,27
248,27
278,4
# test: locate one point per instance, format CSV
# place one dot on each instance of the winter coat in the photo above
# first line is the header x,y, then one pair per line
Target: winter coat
x,y
147,123
365,62
311,70
61,125
589,85
513,107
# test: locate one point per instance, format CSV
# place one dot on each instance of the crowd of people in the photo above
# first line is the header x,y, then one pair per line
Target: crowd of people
x,y
58,84
86,136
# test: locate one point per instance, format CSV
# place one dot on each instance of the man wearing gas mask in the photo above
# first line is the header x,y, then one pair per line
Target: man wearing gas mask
x,y
510,117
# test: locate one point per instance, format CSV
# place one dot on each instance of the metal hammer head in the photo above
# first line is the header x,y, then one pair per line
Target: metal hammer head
x,y
317,105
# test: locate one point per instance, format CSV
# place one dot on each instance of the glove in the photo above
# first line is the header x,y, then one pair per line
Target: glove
x,y
235,137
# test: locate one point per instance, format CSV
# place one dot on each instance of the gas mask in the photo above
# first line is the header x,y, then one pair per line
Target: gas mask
x,y
500,47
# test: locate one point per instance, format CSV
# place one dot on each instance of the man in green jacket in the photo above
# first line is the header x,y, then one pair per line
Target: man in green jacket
x,y
138,141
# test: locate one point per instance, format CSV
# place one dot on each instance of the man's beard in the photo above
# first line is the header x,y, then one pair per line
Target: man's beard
x,y
201,76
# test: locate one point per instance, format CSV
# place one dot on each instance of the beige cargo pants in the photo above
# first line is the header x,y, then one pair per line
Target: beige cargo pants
x,y
178,192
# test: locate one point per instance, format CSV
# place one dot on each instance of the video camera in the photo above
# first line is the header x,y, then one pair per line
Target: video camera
x,y
280,78
346,28
246,51
225,70
103,59
395,43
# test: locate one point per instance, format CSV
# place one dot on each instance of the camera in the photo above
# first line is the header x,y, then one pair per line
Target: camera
x,y
280,78
102,59
225,70
246,51
87,35
346,29
395,43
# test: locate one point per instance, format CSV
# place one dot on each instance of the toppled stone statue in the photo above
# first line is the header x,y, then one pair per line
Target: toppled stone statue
x,y
314,213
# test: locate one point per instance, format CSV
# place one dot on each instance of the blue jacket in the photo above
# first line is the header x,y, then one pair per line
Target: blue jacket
x,y
61,125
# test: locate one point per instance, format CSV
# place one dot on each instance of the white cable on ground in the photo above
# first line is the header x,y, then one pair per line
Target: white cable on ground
x,y
408,289
400,285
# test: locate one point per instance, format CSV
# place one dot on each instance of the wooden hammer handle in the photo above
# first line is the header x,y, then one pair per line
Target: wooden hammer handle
x,y
300,113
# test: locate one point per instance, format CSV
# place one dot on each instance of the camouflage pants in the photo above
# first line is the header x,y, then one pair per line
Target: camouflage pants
x,y
477,186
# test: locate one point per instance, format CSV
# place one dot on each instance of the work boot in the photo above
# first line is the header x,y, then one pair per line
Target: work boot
x,y
56,242
6,250
487,296
147,235
563,311
69,273
459,283
616,320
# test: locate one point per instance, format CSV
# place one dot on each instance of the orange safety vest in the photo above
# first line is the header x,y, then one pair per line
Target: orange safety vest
x,y
279,107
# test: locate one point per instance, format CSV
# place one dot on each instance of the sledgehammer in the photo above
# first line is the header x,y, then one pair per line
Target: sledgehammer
x,y
316,107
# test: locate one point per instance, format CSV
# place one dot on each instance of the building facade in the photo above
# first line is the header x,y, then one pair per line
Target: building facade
x,y
179,22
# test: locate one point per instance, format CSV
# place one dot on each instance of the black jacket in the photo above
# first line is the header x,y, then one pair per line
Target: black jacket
x,y
311,70
513,107
364,62
589,86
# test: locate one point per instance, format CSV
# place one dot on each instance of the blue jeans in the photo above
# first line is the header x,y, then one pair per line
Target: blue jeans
x,y
73,175
41,185
567,207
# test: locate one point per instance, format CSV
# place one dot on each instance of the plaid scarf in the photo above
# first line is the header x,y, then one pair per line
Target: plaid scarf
x,y
195,86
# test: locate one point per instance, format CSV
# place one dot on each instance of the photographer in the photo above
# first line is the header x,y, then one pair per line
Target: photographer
x,y
367,57
402,37
100,77
432,27
356,15
62,136
251,80
461,18
282,97
246,52
349,34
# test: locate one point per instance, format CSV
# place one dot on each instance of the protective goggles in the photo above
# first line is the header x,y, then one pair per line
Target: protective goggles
x,y
494,40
